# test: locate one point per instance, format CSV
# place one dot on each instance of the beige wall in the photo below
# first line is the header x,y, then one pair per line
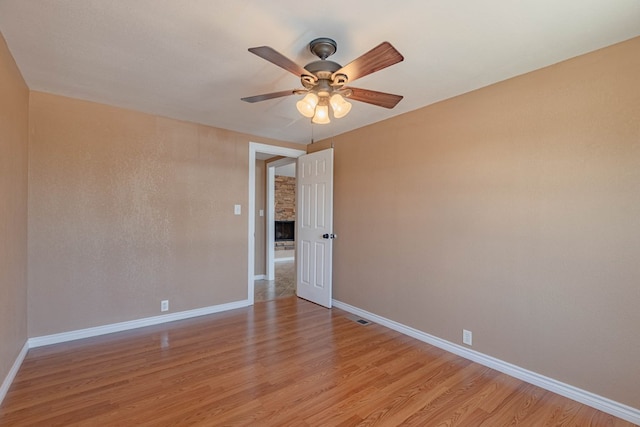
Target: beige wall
x,y
127,209
14,140
261,229
512,211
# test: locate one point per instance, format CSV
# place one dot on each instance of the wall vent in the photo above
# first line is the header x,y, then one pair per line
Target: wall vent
x,y
358,320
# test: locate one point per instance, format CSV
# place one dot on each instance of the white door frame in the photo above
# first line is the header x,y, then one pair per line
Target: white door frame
x,y
256,147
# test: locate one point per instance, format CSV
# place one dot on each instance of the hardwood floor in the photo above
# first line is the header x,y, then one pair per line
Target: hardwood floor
x,y
284,362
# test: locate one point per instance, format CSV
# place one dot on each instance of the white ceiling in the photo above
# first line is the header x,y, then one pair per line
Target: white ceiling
x,y
189,60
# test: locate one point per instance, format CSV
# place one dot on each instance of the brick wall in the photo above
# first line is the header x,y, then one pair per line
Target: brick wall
x,y
285,198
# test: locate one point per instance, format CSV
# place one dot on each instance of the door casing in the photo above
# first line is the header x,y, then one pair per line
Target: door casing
x,y
254,148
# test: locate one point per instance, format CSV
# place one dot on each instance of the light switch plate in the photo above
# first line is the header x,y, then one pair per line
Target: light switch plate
x,y
237,209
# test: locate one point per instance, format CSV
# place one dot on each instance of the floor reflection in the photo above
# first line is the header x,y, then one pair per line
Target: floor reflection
x,y
284,284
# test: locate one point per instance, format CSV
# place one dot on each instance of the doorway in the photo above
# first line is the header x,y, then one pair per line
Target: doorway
x,y
280,202
264,151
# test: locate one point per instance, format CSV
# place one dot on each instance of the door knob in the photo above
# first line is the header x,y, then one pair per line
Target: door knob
x,y
329,236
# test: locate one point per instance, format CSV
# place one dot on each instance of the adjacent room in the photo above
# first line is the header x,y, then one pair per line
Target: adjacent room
x,y
275,190
347,213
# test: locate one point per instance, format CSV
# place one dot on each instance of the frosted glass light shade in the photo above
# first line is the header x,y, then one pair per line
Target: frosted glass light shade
x,y
322,115
306,106
340,107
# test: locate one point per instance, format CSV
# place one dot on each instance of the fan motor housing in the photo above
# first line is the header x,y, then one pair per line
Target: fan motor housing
x,y
322,65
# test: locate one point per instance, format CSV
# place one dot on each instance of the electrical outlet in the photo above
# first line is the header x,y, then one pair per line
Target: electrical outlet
x,y
164,305
467,337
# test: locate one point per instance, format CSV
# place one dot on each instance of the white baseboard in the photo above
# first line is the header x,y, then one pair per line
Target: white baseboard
x,y
590,399
284,259
132,324
260,277
4,388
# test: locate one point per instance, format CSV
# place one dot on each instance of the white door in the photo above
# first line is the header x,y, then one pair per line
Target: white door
x,y
315,226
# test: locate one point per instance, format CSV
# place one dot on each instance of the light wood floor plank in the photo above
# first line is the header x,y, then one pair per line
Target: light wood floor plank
x,y
285,362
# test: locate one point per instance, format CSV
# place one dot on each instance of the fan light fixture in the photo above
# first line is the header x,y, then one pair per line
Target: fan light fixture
x,y
325,82
317,107
307,105
321,117
340,107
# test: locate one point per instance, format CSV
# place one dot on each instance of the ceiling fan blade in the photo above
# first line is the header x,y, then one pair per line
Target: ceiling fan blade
x,y
266,96
381,99
275,57
376,59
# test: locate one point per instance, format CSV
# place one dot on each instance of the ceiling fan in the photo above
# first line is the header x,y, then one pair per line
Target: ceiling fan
x,y
325,81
